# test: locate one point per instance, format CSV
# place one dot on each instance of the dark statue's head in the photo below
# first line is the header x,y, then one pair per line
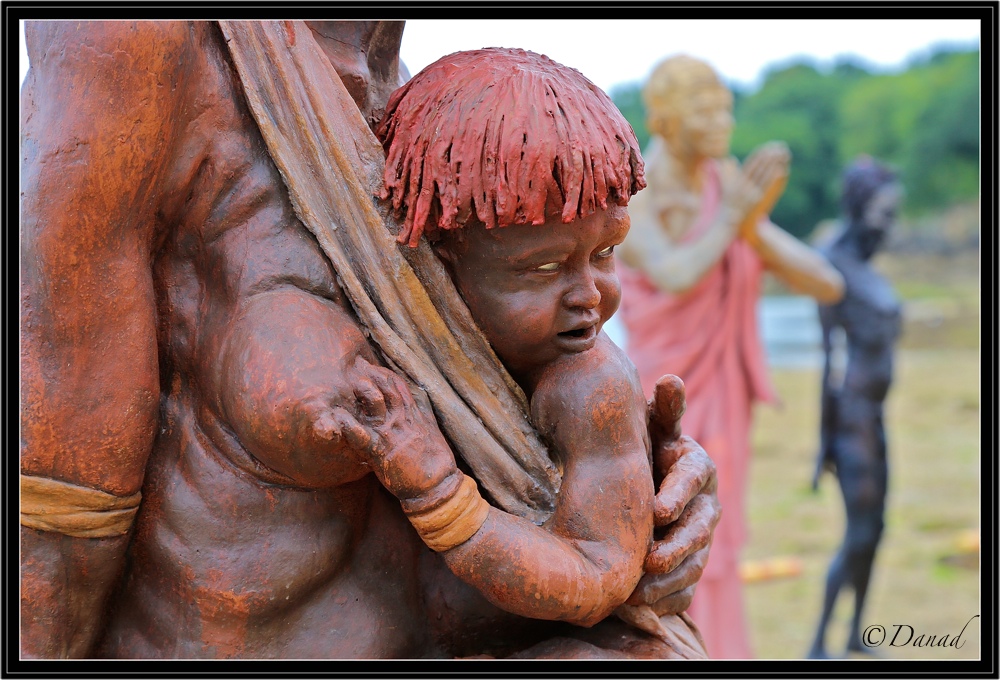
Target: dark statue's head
x,y
870,201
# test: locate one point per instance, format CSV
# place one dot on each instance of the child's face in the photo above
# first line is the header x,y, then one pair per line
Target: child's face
x,y
539,291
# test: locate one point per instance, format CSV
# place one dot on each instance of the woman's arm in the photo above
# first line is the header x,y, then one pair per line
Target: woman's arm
x,y
801,268
99,111
798,266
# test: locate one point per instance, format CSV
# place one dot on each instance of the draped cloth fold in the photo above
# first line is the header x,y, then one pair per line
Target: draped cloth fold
x,y
332,165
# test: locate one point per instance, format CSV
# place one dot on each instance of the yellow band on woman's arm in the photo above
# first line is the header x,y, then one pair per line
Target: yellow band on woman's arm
x,y
52,505
454,521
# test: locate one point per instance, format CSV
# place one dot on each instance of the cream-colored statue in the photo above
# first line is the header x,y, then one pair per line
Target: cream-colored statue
x,y
691,274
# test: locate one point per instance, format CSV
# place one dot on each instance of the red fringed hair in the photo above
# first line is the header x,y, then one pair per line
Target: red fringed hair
x,y
495,133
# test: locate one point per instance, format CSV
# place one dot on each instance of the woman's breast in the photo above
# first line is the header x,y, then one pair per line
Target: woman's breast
x,y
223,565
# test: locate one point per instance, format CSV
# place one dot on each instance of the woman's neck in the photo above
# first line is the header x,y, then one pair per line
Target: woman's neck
x,y
687,168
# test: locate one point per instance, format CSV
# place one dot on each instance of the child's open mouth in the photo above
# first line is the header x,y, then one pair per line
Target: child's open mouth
x,y
579,339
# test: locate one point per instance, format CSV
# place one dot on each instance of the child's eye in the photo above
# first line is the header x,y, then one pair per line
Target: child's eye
x,y
550,267
606,252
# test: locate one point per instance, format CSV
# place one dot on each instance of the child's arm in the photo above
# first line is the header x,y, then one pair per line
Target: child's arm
x,y
588,557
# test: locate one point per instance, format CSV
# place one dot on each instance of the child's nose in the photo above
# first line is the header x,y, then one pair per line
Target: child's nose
x,y
584,292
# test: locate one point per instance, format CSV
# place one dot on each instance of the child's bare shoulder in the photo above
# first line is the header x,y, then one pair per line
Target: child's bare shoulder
x,y
598,390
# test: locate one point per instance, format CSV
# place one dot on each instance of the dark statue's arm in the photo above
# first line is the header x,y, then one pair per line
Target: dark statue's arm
x,y
828,400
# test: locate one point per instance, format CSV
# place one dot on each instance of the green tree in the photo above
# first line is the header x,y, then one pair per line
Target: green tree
x,y
628,98
798,105
924,121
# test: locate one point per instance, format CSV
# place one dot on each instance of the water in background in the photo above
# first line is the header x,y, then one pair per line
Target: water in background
x,y
788,325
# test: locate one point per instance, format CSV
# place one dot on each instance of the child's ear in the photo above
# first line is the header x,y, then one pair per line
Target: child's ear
x,y
448,246
443,252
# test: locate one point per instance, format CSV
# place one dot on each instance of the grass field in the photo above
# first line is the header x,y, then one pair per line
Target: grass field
x,y
925,574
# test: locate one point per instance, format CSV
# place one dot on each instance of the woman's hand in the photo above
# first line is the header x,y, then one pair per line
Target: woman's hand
x,y
766,170
686,507
750,193
396,433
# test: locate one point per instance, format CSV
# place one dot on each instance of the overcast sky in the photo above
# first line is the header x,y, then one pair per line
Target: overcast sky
x,y
610,51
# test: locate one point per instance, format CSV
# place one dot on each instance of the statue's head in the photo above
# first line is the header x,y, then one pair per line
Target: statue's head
x,y
689,107
870,199
366,57
504,136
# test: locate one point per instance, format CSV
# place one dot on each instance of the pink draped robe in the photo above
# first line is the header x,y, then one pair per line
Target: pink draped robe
x,y
708,336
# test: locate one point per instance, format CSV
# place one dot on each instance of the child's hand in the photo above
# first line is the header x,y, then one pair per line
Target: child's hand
x,y
396,432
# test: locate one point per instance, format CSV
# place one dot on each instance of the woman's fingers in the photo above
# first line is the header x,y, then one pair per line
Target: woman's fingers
x,y
767,165
675,603
691,532
690,473
653,588
665,409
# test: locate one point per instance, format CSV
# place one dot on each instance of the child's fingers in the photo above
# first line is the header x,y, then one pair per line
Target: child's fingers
x,y
394,389
422,400
370,396
381,389
352,431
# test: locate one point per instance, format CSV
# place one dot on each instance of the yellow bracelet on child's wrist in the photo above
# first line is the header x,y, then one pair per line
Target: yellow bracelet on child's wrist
x,y
454,520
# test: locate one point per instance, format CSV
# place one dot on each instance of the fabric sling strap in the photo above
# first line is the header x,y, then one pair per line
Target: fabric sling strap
x,y
332,165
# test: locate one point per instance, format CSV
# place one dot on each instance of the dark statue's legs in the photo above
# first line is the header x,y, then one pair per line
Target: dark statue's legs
x,y
862,472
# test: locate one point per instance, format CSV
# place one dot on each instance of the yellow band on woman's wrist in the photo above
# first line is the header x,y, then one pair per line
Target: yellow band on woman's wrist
x,y
453,521
61,507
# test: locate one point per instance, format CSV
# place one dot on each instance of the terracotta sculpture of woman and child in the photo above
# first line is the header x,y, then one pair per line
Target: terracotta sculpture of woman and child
x,y
186,342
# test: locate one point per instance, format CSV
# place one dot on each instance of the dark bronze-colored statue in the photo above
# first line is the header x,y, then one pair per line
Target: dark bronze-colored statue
x,y
852,434
251,420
